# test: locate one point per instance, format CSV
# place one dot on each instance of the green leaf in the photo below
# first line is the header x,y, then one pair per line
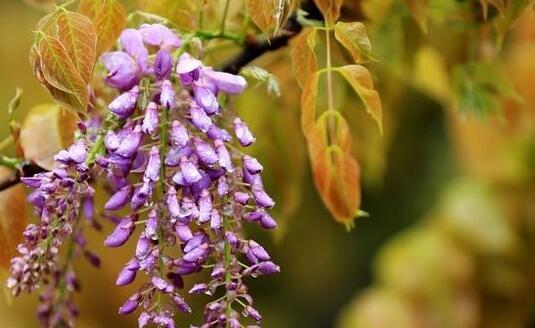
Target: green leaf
x,y
109,19
361,81
354,38
304,59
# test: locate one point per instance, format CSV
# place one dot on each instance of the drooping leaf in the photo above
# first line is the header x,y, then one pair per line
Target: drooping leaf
x,y
60,73
47,129
308,104
354,38
12,219
78,36
330,9
418,9
304,59
269,15
263,13
361,81
109,19
336,172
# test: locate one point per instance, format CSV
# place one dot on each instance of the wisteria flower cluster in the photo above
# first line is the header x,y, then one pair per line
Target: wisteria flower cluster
x,y
169,154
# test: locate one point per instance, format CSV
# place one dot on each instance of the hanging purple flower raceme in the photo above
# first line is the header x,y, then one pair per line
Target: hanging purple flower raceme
x,y
178,176
194,190
59,197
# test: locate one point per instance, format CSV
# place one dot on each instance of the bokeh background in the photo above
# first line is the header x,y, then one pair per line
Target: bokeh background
x,y
451,193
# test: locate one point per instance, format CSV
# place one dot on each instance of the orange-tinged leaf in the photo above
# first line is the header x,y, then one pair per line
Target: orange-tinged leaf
x,y
78,36
354,38
308,103
262,13
361,81
418,9
330,9
336,172
109,19
270,15
181,12
60,72
12,220
46,130
304,59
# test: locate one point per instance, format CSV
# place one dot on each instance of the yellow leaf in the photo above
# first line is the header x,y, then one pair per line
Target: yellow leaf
x,y
78,36
336,172
304,59
46,130
330,9
354,38
12,219
361,81
109,19
431,74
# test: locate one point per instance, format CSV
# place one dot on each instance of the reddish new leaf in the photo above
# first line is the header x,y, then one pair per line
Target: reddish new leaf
x,y
336,172
78,36
12,219
59,71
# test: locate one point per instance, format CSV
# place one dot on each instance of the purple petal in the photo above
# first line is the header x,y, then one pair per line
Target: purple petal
x,y
188,68
150,121
152,172
225,82
251,164
244,135
133,44
123,71
130,144
125,104
160,36
119,199
120,235
163,64
167,95
199,118
178,135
